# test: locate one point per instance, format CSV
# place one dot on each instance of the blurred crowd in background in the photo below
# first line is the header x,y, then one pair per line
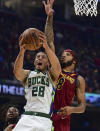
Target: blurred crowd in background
x,y
77,34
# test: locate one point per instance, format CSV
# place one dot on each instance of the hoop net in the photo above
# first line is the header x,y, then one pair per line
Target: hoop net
x,y
85,7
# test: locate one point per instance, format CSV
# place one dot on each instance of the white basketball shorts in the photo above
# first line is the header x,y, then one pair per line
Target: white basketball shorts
x,y
33,123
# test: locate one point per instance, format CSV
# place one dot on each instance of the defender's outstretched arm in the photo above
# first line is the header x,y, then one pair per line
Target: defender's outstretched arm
x,y
49,23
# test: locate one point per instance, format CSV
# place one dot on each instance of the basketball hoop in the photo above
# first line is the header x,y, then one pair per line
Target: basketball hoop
x,y
85,7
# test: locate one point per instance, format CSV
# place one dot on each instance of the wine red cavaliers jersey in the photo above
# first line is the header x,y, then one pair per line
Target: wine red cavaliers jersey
x,y
65,92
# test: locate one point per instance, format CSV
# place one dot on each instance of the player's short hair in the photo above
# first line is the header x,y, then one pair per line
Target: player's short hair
x,y
38,51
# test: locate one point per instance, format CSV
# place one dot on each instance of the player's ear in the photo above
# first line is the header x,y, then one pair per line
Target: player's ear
x,y
34,62
74,62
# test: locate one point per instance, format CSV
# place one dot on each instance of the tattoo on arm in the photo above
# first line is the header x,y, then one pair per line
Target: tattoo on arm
x,y
49,30
77,83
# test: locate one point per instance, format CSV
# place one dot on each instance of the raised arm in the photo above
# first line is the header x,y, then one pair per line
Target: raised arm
x,y
19,72
52,58
49,23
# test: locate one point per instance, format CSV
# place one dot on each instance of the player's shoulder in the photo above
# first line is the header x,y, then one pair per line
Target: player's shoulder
x,y
81,78
26,71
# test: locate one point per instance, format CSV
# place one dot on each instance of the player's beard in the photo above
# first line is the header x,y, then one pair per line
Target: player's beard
x,y
66,64
12,120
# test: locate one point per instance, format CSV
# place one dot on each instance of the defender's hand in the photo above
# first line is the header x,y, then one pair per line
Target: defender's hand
x,y
43,40
67,110
48,7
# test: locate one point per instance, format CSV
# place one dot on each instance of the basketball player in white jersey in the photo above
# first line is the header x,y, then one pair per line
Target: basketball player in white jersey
x,y
38,89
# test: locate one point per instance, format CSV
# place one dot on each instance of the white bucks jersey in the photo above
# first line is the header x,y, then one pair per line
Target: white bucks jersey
x,y
38,92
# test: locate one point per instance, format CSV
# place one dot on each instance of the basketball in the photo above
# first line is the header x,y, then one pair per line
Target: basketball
x,y
30,38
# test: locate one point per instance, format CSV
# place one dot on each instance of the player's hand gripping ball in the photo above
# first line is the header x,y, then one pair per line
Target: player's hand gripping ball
x,y
30,37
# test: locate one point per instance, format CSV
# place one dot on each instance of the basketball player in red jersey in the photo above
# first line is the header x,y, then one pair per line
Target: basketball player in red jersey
x,y
69,82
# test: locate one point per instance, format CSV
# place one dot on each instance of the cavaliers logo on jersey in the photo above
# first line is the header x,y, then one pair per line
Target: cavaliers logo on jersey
x,y
60,83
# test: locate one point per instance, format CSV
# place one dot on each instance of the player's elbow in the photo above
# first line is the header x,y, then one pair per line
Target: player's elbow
x,y
16,74
83,108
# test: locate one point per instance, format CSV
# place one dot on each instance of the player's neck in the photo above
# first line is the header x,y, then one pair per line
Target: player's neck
x,y
68,69
43,71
